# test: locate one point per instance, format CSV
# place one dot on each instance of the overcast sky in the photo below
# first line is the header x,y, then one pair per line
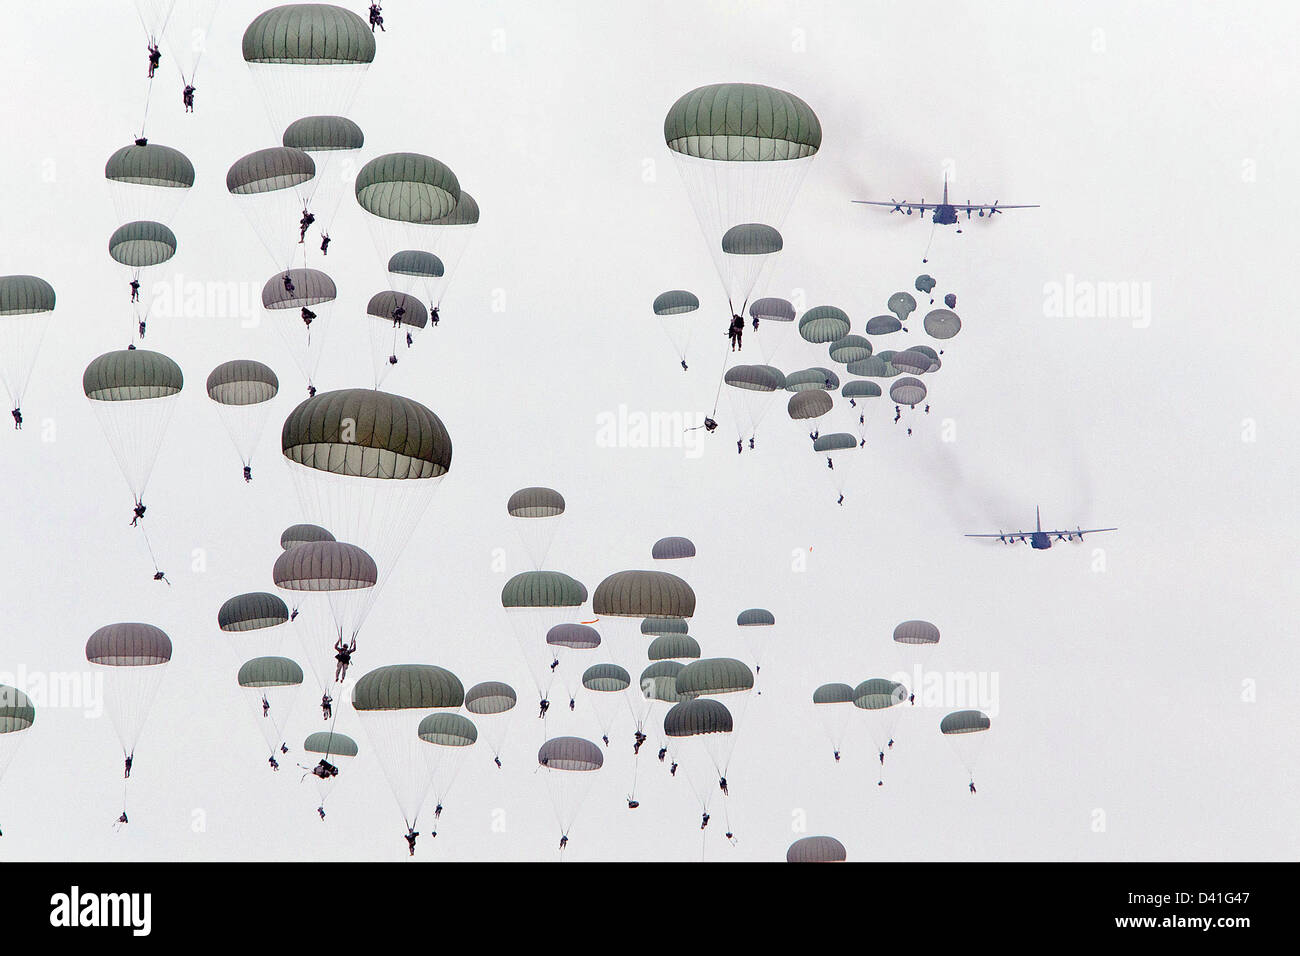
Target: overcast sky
x,y
1144,707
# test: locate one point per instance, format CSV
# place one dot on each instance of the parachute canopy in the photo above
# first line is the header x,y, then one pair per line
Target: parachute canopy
x,y
361,432
407,187
672,548
490,697
535,503
643,594
675,302
570,753
252,611
309,34
242,382
964,722
325,566
816,849
129,645
742,122
131,375
297,534
408,687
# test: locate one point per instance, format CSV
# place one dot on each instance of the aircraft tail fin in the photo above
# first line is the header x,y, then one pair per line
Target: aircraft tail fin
x,y
1038,516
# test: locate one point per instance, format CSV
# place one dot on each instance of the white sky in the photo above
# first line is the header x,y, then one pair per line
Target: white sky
x,y
1158,139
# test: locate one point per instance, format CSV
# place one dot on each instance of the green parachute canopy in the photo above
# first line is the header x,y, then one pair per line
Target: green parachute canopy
x,y
833,694
751,239
269,170
330,744
823,324
878,694
535,503
490,697
675,302
408,687
742,122
131,375
150,165
851,348
772,310
129,645
673,647
715,675
816,849
414,262
447,730
606,678
309,34
142,244
325,566
252,611
297,534
542,589
691,718
270,672
361,432
25,295
16,710
643,594
407,187
242,382
323,134
964,722
570,754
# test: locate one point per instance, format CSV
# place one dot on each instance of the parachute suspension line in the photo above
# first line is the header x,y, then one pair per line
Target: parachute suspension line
x,y
722,377
925,257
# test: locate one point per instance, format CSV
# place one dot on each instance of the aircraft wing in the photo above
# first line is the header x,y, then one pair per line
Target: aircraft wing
x,y
1080,531
976,207
922,206
1006,535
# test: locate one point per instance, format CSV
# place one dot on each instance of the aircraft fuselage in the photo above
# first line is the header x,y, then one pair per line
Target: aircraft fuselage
x,y
945,216
1040,541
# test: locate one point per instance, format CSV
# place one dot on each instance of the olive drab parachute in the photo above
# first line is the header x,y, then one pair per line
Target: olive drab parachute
x,y
664,625
533,512
965,730
702,730
251,624
811,378
562,641
403,197
270,187
297,534
714,676
879,698
823,324
133,658
902,304
809,405
450,737
678,647
535,603
757,628
627,596
148,182
334,748
833,704
302,315
925,283
17,714
26,303
816,849
133,393
742,150
391,702
346,575
410,270
908,391
568,765
751,389
850,348
270,685
605,685
915,641
492,702
366,465
675,308
911,362
883,325
392,318
674,552
307,59
747,250
141,245
941,324
333,142
874,367
242,390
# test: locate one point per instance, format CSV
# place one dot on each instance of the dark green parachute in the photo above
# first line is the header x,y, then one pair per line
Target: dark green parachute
x,y
916,632
408,687
16,710
447,730
883,325
833,694
310,34
811,378
673,647
874,367
816,849
755,617
325,566
242,382
535,503
925,283
823,323
672,548
772,309
465,214
690,718
878,694
331,744
150,165
252,611
490,697
570,753
751,239
911,361
851,348
413,262
323,134
25,295
542,589
270,672
942,324
755,378
812,403
129,645
675,302
659,682
643,594
269,170
310,287
382,305
742,122
664,625
297,534
390,437
902,304
131,375
407,187
715,675
836,441
964,722
606,678
581,637
142,244
860,389
908,391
